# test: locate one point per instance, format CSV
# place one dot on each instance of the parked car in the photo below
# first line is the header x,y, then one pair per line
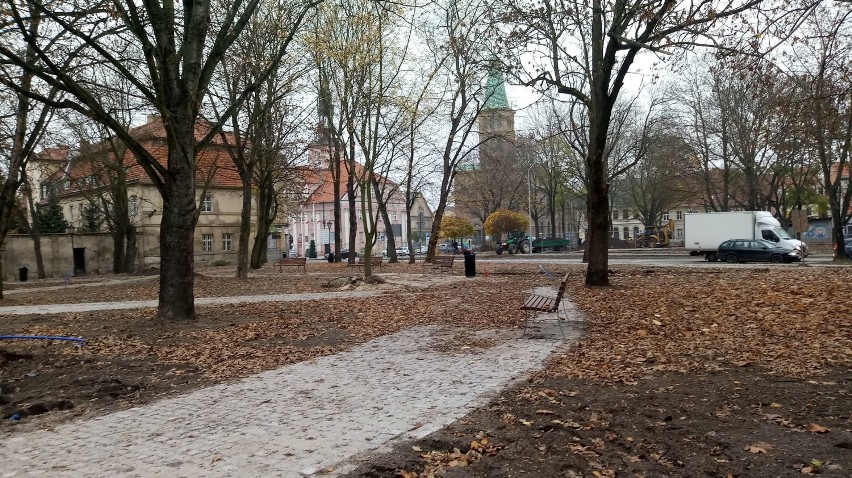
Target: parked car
x,y
401,251
444,247
344,253
847,247
755,250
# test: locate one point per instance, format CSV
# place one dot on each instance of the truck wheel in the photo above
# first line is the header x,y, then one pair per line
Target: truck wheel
x,y
499,250
732,259
525,247
776,259
513,248
711,257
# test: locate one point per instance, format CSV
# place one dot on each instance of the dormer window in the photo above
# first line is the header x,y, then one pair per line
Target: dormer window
x,y
67,184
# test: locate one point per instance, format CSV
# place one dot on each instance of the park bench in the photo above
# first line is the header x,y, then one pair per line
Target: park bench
x,y
375,261
541,304
441,262
291,262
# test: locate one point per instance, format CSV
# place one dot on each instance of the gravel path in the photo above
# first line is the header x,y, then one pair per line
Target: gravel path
x,y
145,304
310,417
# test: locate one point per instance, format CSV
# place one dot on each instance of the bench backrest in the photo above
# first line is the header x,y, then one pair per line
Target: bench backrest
x,y
293,259
561,291
377,260
443,258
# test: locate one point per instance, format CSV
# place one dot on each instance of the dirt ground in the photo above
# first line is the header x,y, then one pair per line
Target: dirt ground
x,y
683,371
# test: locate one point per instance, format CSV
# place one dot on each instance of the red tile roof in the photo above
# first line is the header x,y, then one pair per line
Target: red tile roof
x,y
214,158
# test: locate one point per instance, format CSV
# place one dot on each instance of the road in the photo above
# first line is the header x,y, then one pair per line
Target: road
x,y
643,257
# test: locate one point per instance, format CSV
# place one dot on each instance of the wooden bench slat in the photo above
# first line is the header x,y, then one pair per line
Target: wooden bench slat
x,y
443,261
375,261
291,262
540,303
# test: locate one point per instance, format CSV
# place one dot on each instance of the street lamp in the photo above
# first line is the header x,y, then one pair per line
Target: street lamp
x,y
529,203
420,228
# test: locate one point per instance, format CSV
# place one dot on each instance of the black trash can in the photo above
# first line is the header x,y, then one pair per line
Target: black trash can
x,y
330,257
22,274
469,264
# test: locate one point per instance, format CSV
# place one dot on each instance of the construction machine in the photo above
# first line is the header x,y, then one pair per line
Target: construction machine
x,y
659,236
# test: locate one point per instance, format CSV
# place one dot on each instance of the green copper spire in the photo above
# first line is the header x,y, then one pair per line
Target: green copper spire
x,y
495,91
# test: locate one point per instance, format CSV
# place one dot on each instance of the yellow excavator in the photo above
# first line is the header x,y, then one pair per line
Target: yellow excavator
x,y
659,236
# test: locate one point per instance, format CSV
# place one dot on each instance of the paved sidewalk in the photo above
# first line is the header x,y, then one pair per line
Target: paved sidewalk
x,y
144,304
294,421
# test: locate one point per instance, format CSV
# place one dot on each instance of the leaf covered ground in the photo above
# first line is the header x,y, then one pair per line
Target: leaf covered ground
x,y
716,371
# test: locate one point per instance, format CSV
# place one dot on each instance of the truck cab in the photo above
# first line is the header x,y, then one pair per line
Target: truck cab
x,y
775,233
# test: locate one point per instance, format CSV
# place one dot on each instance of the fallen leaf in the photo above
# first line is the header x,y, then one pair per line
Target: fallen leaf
x,y
215,458
525,422
816,428
759,447
775,405
416,448
544,412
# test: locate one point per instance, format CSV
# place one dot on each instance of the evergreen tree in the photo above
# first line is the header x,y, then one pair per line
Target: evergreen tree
x,y
92,218
50,218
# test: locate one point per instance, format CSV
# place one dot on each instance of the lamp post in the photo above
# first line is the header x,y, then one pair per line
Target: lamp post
x,y
420,228
529,203
328,236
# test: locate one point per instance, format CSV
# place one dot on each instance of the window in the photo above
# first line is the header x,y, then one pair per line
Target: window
x,y
71,212
67,184
679,233
665,216
207,242
615,233
626,215
679,215
615,214
394,215
207,206
133,205
635,231
226,241
627,233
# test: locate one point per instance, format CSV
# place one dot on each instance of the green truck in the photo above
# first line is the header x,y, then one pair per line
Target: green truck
x,y
518,241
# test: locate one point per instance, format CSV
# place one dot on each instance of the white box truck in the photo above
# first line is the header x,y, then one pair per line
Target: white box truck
x,y
704,232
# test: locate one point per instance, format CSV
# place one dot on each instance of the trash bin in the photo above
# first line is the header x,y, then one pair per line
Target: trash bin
x,y
469,264
330,257
22,274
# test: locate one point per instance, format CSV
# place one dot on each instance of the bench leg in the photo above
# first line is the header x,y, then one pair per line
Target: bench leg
x,y
535,315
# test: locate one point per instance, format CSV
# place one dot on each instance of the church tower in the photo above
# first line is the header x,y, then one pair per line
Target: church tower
x,y
496,124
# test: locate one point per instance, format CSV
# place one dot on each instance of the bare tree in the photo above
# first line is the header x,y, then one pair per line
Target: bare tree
x,y
460,35
169,53
821,67
262,129
585,50
23,124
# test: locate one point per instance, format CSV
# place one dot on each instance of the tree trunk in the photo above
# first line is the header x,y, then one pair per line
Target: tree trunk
x,y
130,251
264,200
35,235
119,254
245,226
177,230
597,242
353,214
383,211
